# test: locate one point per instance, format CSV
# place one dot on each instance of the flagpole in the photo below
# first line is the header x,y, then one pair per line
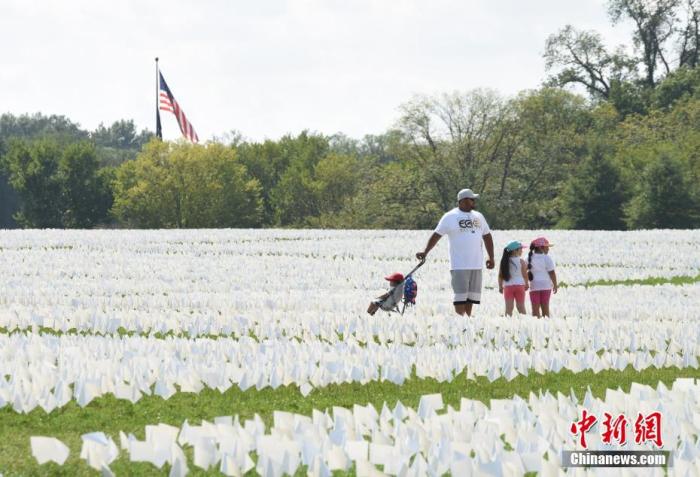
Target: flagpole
x,y
159,131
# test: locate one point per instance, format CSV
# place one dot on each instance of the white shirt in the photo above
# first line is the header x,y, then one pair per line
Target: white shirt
x,y
516,272
464,231
542,264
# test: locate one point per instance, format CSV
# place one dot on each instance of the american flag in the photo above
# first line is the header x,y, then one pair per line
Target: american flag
x,y
168,103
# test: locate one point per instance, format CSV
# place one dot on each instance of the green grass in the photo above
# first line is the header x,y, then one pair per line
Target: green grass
x,y
677,280
110,415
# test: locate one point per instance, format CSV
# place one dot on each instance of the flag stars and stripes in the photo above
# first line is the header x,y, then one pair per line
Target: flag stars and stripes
x,y
168,103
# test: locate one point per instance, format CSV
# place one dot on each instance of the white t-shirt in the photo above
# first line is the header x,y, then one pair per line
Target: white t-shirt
x,y
464,231
541,265
516,272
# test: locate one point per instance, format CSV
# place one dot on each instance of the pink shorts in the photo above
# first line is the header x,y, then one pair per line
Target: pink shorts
x,y
514,292
540,297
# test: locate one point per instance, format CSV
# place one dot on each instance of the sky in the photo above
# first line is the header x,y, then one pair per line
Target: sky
x,y
272,67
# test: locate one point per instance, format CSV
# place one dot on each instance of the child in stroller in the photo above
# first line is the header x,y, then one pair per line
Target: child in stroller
x,y
390,300
401,288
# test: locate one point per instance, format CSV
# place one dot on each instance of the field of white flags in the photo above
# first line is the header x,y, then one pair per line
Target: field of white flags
x,y
148,320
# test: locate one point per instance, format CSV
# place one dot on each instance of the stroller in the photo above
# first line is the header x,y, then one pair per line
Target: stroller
x,y
403,293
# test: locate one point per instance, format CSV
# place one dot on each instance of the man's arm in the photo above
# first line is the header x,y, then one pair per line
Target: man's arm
x,y
429,246
488,241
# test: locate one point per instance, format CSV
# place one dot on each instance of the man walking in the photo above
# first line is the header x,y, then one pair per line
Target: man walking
x,y
465,229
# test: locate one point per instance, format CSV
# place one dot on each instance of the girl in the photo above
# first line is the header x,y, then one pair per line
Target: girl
x,y
512,277
543,278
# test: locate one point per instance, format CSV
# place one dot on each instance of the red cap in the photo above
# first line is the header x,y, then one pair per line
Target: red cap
x,y
394,277
540,242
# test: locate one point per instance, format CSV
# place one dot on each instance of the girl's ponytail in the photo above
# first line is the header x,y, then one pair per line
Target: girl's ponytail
x,y
504,268
529,262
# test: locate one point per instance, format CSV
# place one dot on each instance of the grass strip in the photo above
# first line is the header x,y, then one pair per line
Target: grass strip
x,y
111,415
677,280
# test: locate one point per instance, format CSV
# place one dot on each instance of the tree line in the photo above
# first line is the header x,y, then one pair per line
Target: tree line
x,y
623,154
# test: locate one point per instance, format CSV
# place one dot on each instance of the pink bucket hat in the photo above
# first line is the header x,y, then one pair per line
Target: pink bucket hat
x,y
541,242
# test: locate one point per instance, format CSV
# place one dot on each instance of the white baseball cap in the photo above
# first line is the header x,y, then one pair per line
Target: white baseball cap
x,y
466,194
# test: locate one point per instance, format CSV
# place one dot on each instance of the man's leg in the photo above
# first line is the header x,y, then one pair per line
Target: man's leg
x,y
473,289
460,287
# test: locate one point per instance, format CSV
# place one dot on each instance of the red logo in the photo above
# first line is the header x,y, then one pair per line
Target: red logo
x,y
615,430
583,426
646,428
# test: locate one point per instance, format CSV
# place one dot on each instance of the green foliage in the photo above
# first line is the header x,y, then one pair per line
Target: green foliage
x,y
552,125
113,145
458,140
397,197
85,190
36,126
31,169
285,172
594,195
682,83
336,179
527,156
579,57
648,141
629,97
178,185
119,142
59,185
663,198
9,203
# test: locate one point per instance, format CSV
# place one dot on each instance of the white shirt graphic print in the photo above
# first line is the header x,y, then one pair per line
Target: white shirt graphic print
x,y
464,231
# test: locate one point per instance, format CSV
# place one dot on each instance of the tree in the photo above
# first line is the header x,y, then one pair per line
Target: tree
x,y
294,197
58,128
458,140
689,44
178,185
655,23
551,126
336,179
399,197
119,142
662,198
580,57
29,127
59,185
31,170
681,83
593,197
284,169
86,196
